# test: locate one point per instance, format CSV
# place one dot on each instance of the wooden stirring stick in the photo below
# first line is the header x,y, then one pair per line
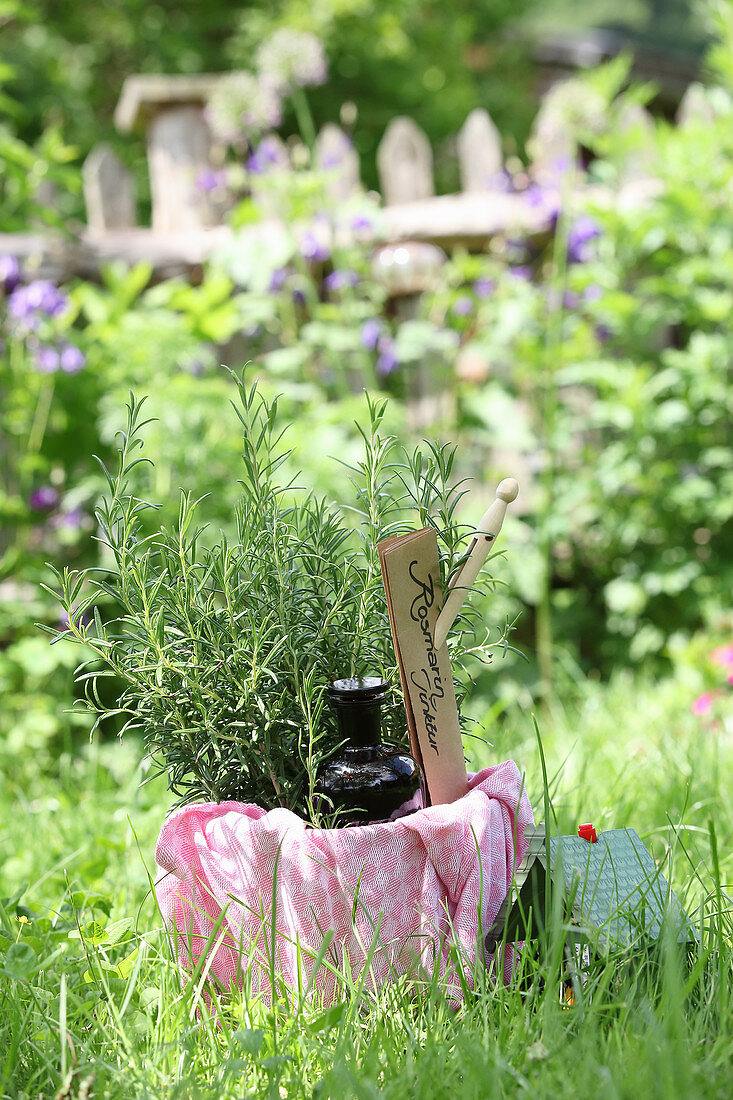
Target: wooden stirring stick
x,y
486,534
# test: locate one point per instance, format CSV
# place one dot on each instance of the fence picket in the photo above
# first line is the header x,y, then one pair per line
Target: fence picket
x,y
335,154
479,151
405,163
109,191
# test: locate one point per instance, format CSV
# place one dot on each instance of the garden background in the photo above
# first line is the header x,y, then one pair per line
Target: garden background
x,y
583,345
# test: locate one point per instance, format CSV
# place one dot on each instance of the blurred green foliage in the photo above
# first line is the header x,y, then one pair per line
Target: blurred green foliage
x,y
677,26
596,355
607,348
27,169
409,57
84,958
64,67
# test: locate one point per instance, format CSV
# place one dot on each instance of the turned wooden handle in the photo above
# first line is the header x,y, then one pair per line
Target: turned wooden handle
x,y
486,535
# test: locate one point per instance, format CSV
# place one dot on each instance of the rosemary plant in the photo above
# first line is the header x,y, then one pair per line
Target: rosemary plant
x,y
224,653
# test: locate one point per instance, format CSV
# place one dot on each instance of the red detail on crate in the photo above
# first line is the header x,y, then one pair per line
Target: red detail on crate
x,y
588,832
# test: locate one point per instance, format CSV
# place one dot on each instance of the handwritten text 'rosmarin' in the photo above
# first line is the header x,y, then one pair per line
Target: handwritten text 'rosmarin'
x,y
427,680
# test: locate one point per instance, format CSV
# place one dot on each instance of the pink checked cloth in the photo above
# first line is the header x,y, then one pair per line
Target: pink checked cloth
x,y
415,885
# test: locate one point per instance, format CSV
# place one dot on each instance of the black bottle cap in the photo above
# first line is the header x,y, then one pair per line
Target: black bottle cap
x,y
357,689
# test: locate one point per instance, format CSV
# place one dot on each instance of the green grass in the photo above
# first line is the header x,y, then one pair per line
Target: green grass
x,y
98,1009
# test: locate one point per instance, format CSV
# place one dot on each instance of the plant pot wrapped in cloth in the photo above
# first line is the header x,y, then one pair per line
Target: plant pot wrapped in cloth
x,y
398,894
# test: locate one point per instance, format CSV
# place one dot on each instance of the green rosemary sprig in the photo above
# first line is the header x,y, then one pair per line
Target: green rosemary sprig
x,y
224,652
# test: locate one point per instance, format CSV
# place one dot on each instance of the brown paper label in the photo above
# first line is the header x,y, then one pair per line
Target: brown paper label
x,y
411,573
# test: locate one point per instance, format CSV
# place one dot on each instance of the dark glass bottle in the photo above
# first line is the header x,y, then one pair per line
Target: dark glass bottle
x,y
366,782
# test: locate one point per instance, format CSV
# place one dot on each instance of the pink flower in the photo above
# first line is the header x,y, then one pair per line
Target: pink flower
x,y
702,704
723,655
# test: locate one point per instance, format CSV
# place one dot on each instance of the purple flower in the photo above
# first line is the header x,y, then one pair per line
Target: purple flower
x,y
313,249
483,288
592,293
501,181
71,520
210,180
298,296
292,58
45,297
544,199
534,195
387,361
26,303
340,280
522,271
581,234
517,250
44,498
371,331
277,279
72,359
361,223
335,155
463,306
569,299
9,273
561,165
47,359
603,333
268,154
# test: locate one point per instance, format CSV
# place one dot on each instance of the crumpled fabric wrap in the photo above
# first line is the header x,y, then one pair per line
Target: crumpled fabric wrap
x,y
403,894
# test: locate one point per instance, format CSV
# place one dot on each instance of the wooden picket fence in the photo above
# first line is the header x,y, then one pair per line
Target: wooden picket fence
x,y
188,221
